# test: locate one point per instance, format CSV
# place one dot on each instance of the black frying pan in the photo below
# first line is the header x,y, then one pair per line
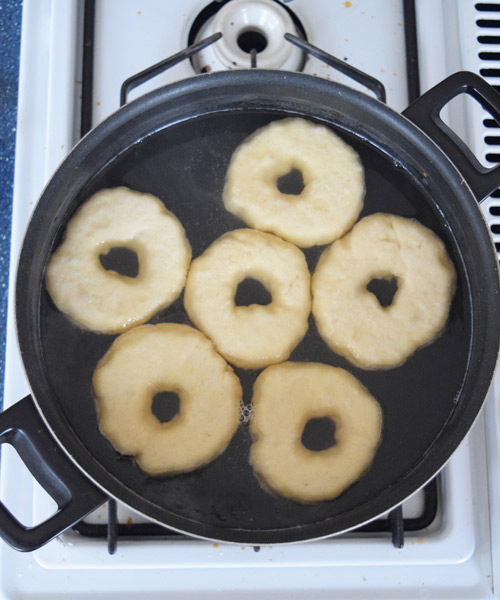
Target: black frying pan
x,y
176,143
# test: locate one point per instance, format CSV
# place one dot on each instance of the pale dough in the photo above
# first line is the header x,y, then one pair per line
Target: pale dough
x,y
252,336
285,398
332,173
351,319
103,300
167,357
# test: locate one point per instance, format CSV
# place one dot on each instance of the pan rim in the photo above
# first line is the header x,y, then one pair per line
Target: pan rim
x,y
211,82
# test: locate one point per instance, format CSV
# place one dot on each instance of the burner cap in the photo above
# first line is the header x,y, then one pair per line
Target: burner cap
x,y
248,25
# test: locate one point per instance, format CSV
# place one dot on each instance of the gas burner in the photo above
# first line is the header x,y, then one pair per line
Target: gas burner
x,y
253,35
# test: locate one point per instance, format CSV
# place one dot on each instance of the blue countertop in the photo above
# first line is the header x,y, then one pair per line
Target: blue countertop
x,y
10,35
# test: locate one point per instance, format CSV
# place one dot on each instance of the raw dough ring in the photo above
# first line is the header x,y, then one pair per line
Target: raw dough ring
x,y
252,336
332,174
285,398
351,319
103,300
167,357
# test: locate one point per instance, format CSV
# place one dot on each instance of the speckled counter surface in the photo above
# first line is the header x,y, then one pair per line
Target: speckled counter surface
x,y
10,35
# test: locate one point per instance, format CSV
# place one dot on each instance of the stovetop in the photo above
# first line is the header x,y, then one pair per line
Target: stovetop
x,y
455,554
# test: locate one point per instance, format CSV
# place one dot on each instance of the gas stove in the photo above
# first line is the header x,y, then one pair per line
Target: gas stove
x,y
451,544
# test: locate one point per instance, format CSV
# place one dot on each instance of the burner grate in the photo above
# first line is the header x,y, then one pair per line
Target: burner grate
x,y
394,524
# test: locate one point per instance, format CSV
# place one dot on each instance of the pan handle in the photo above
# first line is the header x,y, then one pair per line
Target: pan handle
x,y
424,112
22,427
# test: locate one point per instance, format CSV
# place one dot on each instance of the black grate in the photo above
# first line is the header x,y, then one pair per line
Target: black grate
x,y
394,524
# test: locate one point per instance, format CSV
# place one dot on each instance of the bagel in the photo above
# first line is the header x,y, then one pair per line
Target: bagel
x,y
351,319
285,398
103,300
332,174
252,336
150,359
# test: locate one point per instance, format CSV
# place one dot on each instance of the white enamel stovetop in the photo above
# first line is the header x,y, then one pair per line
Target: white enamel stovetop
x,y
459,555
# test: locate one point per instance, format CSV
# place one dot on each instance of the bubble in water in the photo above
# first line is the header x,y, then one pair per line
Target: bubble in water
x,y
246,412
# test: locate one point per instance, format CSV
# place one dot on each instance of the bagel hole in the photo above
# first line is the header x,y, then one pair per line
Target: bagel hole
x,y
121,260
165,406
291,183
384,289
250,291
319,434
